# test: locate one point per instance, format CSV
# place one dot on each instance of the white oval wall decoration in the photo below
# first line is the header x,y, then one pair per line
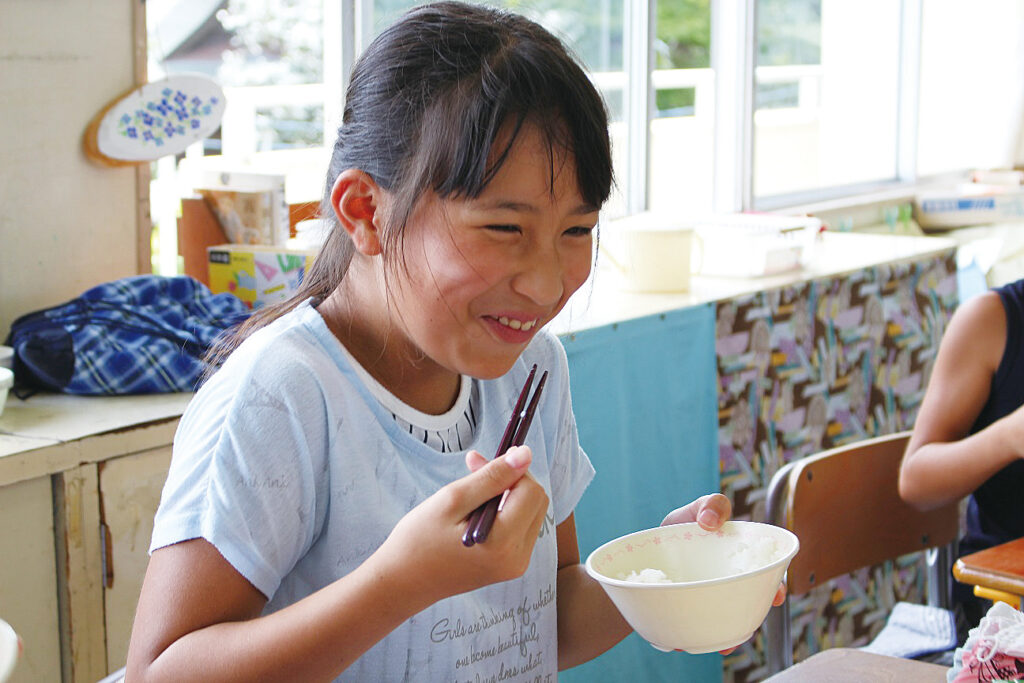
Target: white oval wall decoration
x,y
156,119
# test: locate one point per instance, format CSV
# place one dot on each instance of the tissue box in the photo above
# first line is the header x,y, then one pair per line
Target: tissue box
x,y
257,274
969,204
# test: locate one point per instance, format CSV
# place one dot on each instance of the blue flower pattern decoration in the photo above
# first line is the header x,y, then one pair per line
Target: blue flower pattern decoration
x,y
162,120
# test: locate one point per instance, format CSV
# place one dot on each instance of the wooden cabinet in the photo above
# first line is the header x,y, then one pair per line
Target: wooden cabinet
x,y
80,480
130,489
28,582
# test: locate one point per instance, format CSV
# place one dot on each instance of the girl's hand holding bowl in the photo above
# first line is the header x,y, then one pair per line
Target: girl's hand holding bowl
x,y
708,583
711,511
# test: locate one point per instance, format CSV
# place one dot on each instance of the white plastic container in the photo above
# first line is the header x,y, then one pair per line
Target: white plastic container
x,y
753,245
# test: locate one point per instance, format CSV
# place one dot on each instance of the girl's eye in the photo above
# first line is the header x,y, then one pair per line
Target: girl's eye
x,y
580,231
503,228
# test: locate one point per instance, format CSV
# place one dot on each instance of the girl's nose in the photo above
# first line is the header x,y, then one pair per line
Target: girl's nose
x,y
541,277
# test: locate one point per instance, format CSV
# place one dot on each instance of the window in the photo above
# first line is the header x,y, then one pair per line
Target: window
x,y
268,56
753,104
825,95
594,30
971,93
682,121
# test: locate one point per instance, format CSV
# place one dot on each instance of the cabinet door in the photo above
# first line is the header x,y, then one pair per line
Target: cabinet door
x,y
28,578
130,489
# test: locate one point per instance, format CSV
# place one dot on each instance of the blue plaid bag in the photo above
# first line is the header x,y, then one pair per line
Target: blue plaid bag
x,y
137,335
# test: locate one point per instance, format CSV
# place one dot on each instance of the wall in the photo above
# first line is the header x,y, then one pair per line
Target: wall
x,y
66,223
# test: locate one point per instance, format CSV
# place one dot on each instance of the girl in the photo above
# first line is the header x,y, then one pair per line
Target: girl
x,y
968,438
311,524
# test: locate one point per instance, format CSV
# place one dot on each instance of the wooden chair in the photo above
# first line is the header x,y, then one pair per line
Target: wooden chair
x,y
844,506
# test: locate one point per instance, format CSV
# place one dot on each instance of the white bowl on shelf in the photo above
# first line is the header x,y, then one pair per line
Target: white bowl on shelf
x,y
6,382
717,586
10,650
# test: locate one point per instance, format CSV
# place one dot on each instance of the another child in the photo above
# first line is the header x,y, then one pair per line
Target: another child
x,y
311,523
968,438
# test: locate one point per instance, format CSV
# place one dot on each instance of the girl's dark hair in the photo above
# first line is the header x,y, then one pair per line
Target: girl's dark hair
x,y
424,108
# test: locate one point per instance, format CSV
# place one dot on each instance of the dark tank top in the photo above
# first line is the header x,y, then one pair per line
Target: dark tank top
x,y
995,512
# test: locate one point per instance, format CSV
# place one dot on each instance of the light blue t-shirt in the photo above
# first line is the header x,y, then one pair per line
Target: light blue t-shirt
x,y
287,463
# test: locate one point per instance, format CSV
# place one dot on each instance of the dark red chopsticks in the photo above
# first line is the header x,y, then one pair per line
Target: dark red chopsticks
x,y
481,520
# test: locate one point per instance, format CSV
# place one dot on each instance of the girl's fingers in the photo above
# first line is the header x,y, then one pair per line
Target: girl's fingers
x,y
474,461
524,504
710,511
490,478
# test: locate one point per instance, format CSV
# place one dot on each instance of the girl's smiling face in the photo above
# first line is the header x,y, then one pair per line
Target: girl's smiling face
x,y
480,276
471,280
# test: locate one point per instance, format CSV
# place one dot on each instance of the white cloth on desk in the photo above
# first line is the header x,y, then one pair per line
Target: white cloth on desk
x,y
915,630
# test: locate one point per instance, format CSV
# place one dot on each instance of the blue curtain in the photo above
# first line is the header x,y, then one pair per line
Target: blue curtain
x,y
644,394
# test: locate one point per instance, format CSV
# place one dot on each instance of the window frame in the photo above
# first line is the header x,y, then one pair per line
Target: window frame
x,y
348,24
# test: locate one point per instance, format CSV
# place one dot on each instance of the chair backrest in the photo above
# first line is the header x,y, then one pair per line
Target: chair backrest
x,y
844,506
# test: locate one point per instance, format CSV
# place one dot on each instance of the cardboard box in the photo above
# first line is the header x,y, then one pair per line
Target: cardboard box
x,y
198,229
257,274
250,206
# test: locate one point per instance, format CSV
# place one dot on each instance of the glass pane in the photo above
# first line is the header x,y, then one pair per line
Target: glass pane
x,y
284,127
825,94
972,68
592,29
682,121
261,45
273,42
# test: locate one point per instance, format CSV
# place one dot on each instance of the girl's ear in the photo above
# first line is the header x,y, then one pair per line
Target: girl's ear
x,y
356,199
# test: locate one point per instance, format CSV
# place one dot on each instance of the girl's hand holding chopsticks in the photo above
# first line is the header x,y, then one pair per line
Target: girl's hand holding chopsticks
x,y
480,522
425,548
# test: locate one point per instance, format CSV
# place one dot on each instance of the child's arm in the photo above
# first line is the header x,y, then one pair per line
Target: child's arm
x,y
942,463
198,617
588,621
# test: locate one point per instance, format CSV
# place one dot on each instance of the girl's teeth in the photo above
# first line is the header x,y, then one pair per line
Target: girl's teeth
x,y
516,324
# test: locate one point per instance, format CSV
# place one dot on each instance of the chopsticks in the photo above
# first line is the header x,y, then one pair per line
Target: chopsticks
x,y
481,519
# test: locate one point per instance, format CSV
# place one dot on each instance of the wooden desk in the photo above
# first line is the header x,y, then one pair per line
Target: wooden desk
x,y
843,665
996,573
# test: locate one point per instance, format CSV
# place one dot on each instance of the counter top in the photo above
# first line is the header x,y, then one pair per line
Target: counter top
x,y
48,433
602,301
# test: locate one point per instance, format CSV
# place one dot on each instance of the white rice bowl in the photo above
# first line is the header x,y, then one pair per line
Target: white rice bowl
x,y
683,588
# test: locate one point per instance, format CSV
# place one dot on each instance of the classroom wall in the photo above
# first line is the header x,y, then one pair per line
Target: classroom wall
x,y
66,223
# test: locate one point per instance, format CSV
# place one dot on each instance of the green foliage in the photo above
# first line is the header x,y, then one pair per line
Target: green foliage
x,y
683,34
674,100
